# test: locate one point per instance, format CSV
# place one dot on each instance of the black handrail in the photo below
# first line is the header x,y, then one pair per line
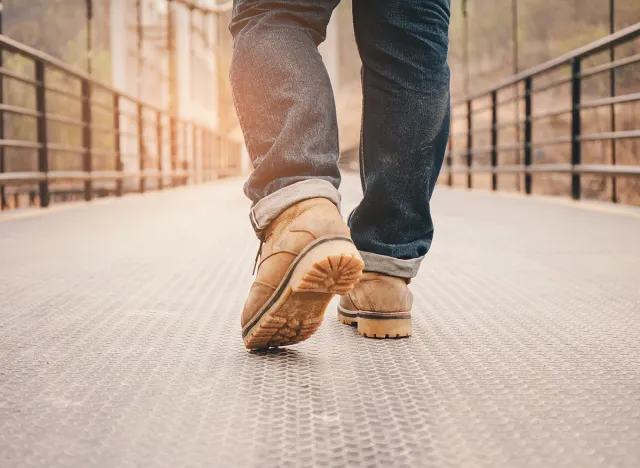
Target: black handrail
x,y
575,166
624,35
208,149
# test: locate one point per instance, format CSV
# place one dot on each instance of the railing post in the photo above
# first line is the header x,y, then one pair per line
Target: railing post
x,y
469,143
194,154
184,152
87,164
218,155
198,162
141,147
159,136
215,154
43,151
494,140
528,133
203,164
182,163
116,143
206,148
612,86
89,43
174,148
576,127
3,194
450,159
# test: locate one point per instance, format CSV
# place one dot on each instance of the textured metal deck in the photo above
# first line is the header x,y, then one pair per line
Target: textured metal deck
x,y
120,344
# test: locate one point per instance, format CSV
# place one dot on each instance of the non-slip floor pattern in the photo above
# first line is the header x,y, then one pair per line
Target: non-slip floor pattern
x,y
120,344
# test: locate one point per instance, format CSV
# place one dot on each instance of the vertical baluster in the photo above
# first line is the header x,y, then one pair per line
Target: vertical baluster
x,y
450,158
469,143
159,149
198,167
87,145
612,86
194,154
3,194
43,151
576,128
528,134
184,151
141,147
494,140
117,147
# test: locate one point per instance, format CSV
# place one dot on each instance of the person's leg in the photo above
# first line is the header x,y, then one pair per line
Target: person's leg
x,y
405,81
285,103
405,78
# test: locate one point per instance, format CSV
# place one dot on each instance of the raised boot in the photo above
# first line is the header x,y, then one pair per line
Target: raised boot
x,y
380,306
307,257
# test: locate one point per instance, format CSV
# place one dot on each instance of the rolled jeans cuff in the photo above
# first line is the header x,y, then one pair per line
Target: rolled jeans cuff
x,y
270,207
391,266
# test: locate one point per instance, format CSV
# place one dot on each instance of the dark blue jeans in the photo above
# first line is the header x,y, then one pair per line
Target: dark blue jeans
x,y
286,108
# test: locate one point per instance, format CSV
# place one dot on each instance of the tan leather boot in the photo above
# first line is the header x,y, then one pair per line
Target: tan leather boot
x,y
380,306
307,257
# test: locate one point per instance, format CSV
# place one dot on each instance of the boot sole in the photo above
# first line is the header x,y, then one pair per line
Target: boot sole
x,y
327,266
379,325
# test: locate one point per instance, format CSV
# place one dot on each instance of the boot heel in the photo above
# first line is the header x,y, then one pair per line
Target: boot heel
x,y
328,266
333,267
389,327
346,317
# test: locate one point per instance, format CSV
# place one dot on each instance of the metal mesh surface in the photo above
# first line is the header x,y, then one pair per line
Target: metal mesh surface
x,y
120,344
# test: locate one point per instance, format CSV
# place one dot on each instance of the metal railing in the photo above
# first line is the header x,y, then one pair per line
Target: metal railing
x,y
473,159
109,128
